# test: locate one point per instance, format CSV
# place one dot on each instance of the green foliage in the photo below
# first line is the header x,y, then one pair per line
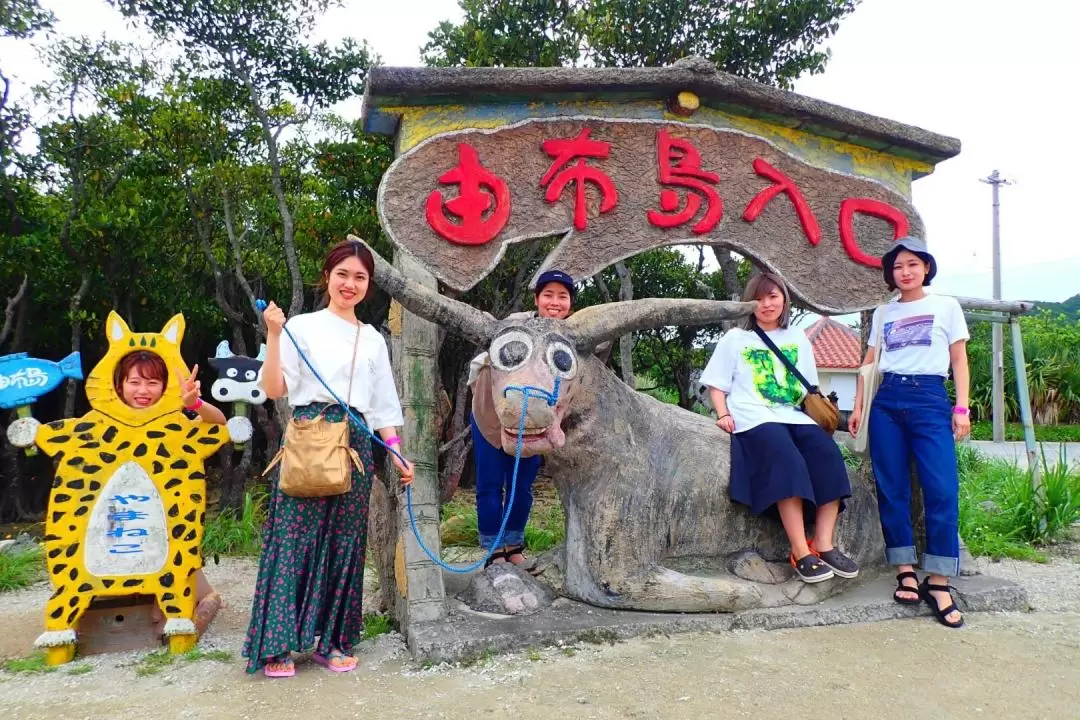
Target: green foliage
x,y
196,654
1052,353
1070,308
527,33
772,42
984,430
23,18
154,663
376,625
32,665
232,533
1003,514
545,529
21,568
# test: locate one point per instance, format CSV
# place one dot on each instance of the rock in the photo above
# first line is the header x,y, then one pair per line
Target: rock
x,y
751,566
505,589
989,506
22,543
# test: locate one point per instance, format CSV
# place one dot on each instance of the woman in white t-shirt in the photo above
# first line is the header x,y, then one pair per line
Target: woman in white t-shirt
x,y
311,570
911,418
780,458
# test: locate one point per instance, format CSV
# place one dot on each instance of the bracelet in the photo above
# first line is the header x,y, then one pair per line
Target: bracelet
x,y
960,410
722,417
395,440
198,404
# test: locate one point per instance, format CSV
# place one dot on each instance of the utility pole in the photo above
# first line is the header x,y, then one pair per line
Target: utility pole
x,y
995,181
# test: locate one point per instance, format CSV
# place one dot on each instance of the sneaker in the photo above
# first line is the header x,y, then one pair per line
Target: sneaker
x,y
841,564
811,569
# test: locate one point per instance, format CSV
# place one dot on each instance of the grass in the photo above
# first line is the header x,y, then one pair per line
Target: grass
x,y
229,534
481,659
1002,513
156,662
376,625
544,530
80,669
983,430
35,664
21,568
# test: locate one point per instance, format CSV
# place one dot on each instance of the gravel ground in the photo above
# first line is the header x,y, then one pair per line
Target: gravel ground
x,y
906,668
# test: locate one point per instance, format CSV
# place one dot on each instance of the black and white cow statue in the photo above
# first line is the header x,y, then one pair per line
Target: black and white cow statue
x,y
238,379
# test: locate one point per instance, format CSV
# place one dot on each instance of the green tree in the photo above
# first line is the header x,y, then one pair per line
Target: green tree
x,y
260,47
19,19
771,41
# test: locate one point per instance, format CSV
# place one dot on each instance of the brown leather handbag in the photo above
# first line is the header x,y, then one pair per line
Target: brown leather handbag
x,y
816,405
316,457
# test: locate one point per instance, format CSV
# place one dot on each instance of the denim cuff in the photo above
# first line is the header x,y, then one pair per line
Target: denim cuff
x,y
510,537
940,565
901,555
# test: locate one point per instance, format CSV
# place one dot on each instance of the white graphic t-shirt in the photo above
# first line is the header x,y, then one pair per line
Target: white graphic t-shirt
x,y
918,335
759,388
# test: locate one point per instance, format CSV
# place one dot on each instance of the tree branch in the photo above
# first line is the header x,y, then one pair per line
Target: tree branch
x,y
9,311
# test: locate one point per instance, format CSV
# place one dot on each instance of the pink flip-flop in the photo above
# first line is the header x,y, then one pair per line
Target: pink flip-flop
x,y
327,661
289,671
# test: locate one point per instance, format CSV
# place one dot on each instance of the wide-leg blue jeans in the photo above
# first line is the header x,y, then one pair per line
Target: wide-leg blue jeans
x,y
911,417
494,472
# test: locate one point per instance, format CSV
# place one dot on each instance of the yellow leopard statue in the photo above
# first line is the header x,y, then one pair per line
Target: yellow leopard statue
x,y
127,506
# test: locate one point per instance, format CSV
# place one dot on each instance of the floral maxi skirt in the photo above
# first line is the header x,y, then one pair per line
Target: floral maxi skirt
x,y
311,570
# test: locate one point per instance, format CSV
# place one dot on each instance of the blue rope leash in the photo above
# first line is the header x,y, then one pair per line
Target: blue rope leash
x,y
526,391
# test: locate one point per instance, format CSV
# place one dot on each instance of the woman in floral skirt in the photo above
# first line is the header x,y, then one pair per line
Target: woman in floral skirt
x,y
309,594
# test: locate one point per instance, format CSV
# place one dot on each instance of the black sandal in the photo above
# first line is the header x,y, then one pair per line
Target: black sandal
x,y
901,587
497,555
527,566
925,589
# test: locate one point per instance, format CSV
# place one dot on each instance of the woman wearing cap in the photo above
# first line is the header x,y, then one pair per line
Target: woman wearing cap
x,y
781,460
554,297
923,336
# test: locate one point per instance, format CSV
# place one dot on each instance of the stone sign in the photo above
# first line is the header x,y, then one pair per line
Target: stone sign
x,y
616,187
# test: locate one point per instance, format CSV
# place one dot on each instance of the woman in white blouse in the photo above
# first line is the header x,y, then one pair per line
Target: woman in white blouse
x,y
311,570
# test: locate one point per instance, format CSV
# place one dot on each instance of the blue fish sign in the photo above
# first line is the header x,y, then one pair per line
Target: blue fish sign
x,y
24,379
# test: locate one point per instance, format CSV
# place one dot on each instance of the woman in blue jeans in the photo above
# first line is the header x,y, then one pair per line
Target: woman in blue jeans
x,y
922,337
494,468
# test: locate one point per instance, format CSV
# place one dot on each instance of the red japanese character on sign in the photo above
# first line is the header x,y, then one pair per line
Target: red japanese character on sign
x,y
477,188
783,184
680,165
877,209
579,173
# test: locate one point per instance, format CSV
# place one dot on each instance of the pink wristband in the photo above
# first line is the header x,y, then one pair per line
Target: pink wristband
x,y
395,440
196,406
960,410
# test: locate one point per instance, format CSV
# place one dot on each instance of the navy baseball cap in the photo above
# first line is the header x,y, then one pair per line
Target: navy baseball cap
x,y
555,276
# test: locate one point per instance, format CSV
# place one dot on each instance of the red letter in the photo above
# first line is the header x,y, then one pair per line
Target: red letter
x,y
783,184
680,165
471,203
579,173
867,206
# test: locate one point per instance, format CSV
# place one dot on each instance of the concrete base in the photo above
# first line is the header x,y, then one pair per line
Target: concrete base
x,y
465,634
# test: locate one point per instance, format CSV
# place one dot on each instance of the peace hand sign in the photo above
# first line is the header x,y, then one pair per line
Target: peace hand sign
x,y
189,388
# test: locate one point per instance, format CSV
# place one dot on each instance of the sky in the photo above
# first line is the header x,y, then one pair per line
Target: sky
x,y
994,73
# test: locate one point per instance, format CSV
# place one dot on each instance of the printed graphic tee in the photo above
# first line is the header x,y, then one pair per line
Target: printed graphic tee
x,y
918,335
759,388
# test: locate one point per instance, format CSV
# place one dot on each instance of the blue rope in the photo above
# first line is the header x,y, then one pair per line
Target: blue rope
x,y
526,391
